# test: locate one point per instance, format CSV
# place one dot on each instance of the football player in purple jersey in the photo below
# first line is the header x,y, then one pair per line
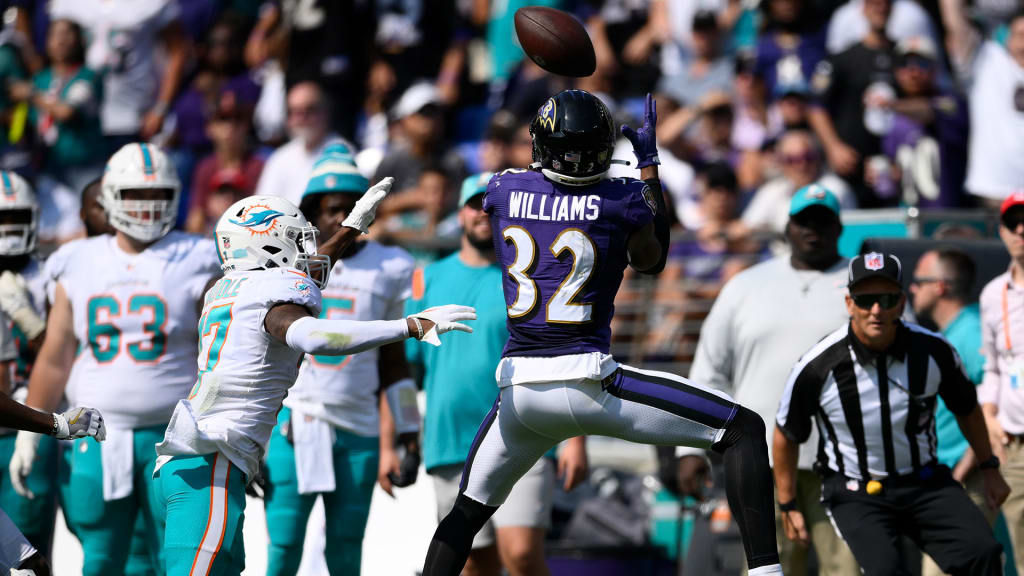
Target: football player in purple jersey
x,y
565,234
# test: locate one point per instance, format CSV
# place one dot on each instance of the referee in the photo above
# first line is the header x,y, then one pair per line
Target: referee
x,y
871,386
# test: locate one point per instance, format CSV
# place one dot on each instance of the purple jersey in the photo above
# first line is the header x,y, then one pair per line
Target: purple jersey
x,y
563,249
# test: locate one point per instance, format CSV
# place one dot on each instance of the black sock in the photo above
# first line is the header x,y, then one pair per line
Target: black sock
x,y
453,539
749,487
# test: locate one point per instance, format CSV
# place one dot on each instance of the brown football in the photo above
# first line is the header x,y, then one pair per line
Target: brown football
x,y
556,41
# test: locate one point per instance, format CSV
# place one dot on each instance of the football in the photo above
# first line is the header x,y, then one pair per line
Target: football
x,y
556,41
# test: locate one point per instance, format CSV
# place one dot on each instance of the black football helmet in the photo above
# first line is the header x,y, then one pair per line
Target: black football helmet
x,y
573,138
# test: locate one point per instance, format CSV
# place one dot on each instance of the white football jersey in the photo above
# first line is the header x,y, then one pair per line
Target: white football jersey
x,y
135,318
244,372
342,390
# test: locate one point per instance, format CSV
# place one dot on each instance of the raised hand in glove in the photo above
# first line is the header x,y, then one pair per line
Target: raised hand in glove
x,y
15,302
644,140
365,210
443,319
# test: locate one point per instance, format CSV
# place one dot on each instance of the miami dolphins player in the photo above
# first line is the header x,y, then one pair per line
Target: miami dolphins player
x,y
130,302
258,321
336,435
565,234
23,301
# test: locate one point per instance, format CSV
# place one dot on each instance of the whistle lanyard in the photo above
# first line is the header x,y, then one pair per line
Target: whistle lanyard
x,y
1006,319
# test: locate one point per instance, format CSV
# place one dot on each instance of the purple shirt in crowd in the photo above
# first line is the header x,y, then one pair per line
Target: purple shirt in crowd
x,y
564,251
941,145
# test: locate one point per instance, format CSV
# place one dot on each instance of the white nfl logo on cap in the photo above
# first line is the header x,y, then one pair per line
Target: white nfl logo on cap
x,y
874,261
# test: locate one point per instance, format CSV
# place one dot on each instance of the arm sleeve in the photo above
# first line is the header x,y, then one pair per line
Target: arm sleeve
x,y
320,336
800,401
956,390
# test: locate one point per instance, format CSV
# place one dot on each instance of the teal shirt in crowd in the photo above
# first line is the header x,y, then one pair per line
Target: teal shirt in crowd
x,y
459,375
79,140
964,333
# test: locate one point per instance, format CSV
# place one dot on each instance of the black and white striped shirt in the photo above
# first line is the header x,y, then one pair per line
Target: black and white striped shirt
x,y
867,430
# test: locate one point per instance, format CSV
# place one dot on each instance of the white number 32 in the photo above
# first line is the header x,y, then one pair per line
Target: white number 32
x,y
560,307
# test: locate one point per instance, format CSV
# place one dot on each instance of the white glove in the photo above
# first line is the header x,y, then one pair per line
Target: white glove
x,y
14,301
25,447
363,212
79,423
444,319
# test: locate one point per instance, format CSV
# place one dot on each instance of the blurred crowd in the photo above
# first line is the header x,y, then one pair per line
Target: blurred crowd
x,y
916,103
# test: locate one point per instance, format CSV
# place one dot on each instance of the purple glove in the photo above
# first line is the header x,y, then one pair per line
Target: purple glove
x,y
645,144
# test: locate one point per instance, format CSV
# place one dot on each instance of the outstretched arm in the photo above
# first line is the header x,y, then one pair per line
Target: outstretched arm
x,y
294,325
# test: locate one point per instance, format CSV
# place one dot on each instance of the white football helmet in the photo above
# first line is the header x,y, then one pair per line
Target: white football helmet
x,y
19,200
140,166
261,232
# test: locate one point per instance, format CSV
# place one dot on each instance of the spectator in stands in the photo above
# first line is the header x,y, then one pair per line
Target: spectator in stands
x,y
65,108
765,318
221,69
848,24
854,90
710,140
800,163
790,108
413,215
750,129
700,263
65,100
995,76
941,291
928,137
15,133
709,70
417,140
123,38
324,42
287,169
790,45
230,165
496,146
1002,338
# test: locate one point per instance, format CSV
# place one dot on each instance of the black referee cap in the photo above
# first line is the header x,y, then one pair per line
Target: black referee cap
x,y
875,264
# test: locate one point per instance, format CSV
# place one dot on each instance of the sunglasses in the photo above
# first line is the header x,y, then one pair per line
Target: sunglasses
x,y
868,301
798,159
1012,221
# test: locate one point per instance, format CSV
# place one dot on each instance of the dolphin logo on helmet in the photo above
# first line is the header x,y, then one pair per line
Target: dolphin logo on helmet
x,y
261,222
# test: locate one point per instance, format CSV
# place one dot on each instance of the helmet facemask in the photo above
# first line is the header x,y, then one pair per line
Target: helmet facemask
x,y
316,266
145,220
17,231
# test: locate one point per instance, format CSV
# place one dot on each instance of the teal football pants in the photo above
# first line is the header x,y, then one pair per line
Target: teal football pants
x,y
355,473
203,500
104,528
33,517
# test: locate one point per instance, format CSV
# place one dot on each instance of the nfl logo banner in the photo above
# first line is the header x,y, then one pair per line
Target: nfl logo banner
x,y
874,261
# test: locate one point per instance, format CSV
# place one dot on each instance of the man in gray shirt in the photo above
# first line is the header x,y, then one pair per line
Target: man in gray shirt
x,y
760,324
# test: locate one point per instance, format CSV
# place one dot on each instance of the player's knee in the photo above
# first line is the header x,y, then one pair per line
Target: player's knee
x,y
745,424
